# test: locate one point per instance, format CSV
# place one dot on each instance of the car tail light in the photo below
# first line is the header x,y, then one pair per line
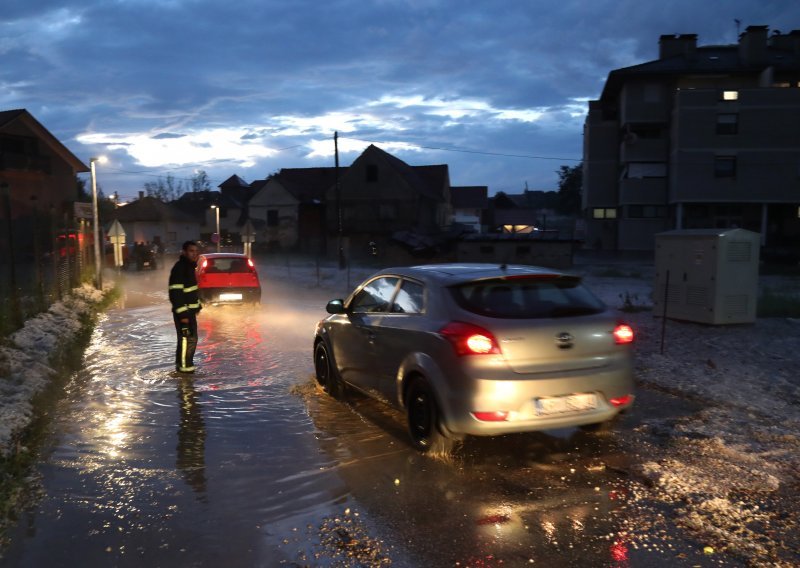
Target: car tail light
x,y
623,333
251,264
621,400
470,339
203,266
497,416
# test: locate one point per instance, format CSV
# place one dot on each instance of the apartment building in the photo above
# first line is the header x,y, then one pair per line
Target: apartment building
x,y
702,137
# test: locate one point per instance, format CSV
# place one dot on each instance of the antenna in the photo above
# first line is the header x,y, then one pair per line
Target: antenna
x,y
738,23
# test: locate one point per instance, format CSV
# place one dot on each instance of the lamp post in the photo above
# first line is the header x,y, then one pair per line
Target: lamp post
x,y
98,260
219,237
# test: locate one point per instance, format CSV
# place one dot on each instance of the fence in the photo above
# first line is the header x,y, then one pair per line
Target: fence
x,y
41,259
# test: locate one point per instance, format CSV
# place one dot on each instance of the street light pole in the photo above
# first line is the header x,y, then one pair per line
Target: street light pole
x,y
219,236
98,260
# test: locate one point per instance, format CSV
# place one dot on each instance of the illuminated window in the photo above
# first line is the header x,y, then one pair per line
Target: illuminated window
x,y
730,95
604,213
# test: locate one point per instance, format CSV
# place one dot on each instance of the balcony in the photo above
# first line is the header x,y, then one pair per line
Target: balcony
x,y
643,191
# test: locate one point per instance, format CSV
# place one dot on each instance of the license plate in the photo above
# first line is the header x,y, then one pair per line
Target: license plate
x,y
563,404
229,297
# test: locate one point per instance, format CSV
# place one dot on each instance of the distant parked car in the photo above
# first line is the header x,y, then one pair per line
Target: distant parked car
x,y
145,256
478,349
227,278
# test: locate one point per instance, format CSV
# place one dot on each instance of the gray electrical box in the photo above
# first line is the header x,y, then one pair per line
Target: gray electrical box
x,y
713,275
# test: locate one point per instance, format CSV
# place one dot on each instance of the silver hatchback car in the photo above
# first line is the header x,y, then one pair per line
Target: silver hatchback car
x,y
478,349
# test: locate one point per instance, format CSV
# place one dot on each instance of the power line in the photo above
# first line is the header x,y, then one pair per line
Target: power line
x,y
463,151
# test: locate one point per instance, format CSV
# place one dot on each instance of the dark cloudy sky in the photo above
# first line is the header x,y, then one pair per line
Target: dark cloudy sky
x,y
496,89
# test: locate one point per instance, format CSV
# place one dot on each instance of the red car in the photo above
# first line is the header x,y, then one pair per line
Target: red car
x,y
227,278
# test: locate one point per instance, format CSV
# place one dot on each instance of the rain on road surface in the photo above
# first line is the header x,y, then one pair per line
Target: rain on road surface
x,y
249,464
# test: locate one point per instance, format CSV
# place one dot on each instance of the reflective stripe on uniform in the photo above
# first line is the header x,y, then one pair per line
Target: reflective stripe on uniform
x,y
181,309
187,369
184,345
194,306
176,286
190,288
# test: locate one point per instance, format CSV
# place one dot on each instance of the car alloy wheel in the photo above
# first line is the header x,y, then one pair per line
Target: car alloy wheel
x,y
423,419
327,377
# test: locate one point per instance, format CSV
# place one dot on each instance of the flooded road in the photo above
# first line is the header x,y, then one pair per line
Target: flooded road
x,y
248,463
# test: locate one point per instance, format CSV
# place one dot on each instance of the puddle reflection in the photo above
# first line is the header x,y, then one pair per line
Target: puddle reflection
x,y
191,449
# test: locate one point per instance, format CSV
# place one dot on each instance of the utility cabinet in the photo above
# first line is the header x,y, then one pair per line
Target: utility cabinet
x,y
713,275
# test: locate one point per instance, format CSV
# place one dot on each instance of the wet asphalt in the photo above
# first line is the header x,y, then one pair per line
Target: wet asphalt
x,y
248,463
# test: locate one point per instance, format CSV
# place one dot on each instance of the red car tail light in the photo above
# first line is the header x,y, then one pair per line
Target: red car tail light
x,y
468,339
203,266
251,264
497,416
621,400
623,333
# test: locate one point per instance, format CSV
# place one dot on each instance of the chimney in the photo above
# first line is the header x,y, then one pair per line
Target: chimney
x,y
753,45
672,45
141,195
789,43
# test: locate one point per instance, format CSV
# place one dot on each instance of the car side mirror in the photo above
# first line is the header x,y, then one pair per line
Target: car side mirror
x,y
335,307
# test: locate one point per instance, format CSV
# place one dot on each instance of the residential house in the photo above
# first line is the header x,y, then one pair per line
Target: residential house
x,y
469,204
702,137
150,220
205,206
287,210
38,186
380,199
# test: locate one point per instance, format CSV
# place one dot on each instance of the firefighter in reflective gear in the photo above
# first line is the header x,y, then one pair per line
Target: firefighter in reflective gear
x,y
185,305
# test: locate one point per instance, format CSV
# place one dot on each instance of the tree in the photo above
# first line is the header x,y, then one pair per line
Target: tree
x,y
83,193
570,182
200,181
165,190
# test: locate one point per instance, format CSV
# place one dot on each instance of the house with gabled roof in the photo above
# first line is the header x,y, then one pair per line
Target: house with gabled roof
x,y
37,178
380,196
150,220
287,209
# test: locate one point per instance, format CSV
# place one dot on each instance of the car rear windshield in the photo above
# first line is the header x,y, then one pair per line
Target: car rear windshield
x,y
229,265
526,298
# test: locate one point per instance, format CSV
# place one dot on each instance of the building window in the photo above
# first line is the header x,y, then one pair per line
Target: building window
x,y
652,93
727,123
647,211
638,170
725,166
604,213
372,173
387,211
272,217
729,96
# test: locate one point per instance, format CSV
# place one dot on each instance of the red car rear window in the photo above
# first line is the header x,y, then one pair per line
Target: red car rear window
x,y
227,265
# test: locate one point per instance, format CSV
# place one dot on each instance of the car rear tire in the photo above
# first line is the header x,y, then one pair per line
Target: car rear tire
x,y
327,376
424,419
